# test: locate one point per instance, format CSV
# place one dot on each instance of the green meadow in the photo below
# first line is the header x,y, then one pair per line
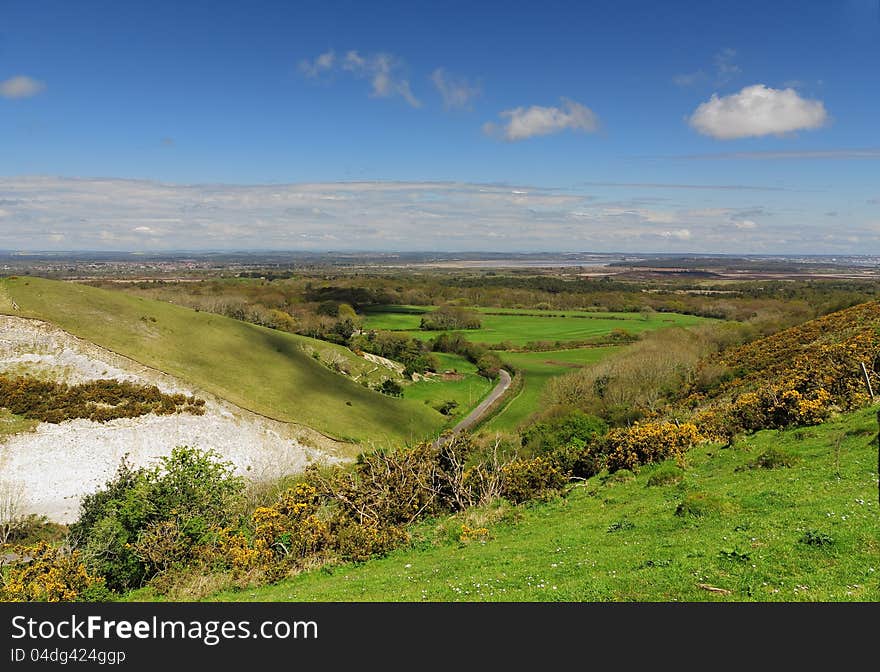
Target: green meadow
x,y
537,369
721,529
263,370
462,385
521,327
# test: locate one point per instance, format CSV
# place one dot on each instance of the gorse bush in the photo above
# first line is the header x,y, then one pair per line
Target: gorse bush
x,y
99,400
50,574
646,442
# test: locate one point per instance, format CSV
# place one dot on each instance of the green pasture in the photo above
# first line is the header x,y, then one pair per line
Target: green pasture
x,y
518,329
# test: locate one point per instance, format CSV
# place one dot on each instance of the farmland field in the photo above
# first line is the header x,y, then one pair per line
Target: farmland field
x,y
521,327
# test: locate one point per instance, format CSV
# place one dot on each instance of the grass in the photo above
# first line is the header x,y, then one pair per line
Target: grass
x,y
14,424
537,369
263,370
467,391
801,533
519,328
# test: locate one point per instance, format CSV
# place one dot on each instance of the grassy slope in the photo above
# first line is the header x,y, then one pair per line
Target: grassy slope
x,y
520,329
468,391
260,369
537,369
564,550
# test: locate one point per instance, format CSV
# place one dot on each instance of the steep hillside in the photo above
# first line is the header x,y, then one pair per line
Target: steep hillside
x,y
266,371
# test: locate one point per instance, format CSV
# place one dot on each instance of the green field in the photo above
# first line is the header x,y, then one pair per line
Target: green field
x,y
537,369
520,327
263,370
621,540
468,391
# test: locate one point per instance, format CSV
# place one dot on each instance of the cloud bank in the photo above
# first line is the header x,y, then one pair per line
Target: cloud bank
x,y
51,213
757,111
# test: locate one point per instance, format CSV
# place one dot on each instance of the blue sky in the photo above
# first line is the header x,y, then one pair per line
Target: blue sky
x,y
603,126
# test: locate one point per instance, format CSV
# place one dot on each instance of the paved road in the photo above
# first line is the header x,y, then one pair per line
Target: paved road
x,y
476,415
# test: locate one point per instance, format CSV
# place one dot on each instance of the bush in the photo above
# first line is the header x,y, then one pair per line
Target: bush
x,y
536,478
50,575
560,429
125,529
647,442
775,407
391,388
98,400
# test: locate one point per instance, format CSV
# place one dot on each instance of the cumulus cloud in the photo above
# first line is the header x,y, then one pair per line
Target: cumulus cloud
x,y
456,92
21,87
756,111
383,71
528,122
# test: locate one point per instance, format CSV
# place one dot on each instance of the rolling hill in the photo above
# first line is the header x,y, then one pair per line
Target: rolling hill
x,y
270,372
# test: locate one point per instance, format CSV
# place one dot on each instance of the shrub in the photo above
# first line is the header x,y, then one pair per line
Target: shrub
x,y
775,407
98,400
121,531
527,479
391,388
291,526
647,442
360,542
50,575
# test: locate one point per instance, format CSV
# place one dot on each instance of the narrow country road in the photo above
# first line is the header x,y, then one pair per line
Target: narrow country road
x,y
476,415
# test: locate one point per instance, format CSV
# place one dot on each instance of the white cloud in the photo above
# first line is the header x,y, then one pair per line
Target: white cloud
x,y
678,234
528,122
51,213
756,111
322,63
21,87
456,92
382,70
